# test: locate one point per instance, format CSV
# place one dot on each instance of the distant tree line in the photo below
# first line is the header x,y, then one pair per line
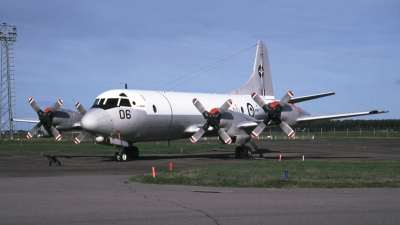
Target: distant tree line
x,y
353,125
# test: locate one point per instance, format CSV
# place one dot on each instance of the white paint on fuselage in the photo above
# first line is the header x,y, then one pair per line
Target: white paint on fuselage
x,y
157,115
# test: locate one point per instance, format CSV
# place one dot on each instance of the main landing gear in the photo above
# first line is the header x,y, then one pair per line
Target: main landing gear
x,y
243,151
126,153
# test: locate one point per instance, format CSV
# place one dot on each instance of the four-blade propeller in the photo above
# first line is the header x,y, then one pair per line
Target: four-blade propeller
x,y
212,120
45,119
81,135
273,111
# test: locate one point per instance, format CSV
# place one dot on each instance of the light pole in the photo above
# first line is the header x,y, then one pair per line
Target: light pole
x,y
8,35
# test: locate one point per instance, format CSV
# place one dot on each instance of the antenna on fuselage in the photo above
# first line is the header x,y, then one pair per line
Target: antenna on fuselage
x,y
126,86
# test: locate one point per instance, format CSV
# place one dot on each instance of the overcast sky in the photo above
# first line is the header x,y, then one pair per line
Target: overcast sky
x,y
75,50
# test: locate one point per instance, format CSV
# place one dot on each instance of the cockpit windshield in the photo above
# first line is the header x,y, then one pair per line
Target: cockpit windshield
x,y
108,103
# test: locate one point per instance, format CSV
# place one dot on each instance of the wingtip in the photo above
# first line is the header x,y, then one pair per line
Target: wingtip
x,y
378,111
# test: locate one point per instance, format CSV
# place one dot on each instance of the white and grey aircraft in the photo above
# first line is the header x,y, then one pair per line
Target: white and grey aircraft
x,y
123,117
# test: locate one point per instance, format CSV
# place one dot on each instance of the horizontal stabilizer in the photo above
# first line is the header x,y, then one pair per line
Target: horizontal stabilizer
x,y
310,97
338,116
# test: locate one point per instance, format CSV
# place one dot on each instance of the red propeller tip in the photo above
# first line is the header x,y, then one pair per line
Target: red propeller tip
x,y
76,141
193,140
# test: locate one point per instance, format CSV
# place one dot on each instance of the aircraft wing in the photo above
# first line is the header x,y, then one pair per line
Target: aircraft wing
x,y
339,115
26,120
249,124
310,97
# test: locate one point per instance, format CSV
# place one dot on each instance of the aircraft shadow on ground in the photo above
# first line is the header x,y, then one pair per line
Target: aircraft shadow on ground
x,y
226,155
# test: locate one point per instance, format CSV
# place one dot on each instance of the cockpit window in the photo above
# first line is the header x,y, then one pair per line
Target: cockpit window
x,y
102,101
96,101
112,102
108,103
124,102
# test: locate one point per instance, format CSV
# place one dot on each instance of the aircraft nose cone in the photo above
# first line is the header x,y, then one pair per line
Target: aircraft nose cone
x,y
97,121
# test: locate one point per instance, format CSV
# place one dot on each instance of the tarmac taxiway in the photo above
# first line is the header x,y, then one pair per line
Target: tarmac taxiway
x,y
94,189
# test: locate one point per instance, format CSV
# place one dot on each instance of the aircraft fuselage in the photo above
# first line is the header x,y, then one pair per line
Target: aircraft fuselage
x,y
154,115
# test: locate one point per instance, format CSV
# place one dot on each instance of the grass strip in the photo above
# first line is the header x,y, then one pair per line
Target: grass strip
x,y
267,174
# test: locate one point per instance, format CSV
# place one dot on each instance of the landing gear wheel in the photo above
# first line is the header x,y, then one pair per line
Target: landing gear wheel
x,y
247,153
238,152
124,156
117,157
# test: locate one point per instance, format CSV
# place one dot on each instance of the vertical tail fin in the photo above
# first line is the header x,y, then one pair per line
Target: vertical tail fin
x,y
260,81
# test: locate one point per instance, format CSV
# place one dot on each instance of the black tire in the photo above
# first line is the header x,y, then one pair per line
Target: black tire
x,y
117,157
124,157
238,152
247,153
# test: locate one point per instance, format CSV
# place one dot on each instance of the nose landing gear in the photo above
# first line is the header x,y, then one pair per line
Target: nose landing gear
x,y
126,153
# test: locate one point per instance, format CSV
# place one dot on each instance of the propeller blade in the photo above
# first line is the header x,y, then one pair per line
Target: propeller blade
x,y
212,120
257,131
55,133
199,106
286,98
258,100
56,106
287,129
80,137
196,136
32,132
225,137
80,108
34,105
225,106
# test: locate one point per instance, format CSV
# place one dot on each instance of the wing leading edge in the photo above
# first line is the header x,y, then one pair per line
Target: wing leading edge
x,y
310,97
339,115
